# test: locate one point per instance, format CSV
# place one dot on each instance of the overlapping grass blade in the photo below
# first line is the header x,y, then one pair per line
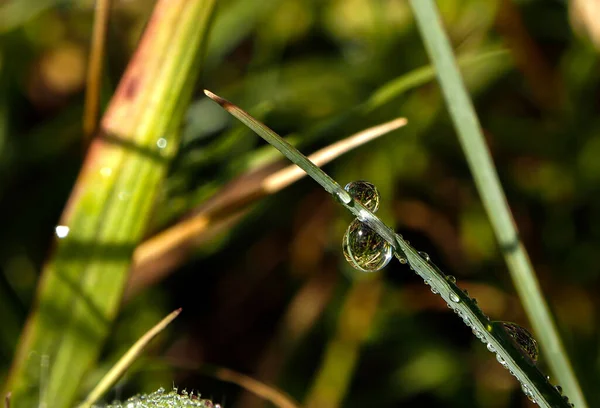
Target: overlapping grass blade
x,y
82,283
545,394
486,179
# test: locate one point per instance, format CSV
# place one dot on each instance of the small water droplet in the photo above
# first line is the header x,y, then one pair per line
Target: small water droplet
x,y
365,193
62,231
501,360
161,143
402,259
454,297
491,348
364,249
559,389
522,339
466,292
362,215
344,197
434,290
451,279
474,301
425,256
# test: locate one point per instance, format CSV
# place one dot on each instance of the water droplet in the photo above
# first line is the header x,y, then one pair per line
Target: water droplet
x,y
161,143
62,231
364,249
343,197
365,193
523,339
425,256
491,348
434,290
559,389
401,258
474,301
451,279
454,297
501,360
466,292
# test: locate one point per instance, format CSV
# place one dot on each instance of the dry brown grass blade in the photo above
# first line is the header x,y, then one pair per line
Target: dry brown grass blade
x,y
128,358
264,391
94,72
174,242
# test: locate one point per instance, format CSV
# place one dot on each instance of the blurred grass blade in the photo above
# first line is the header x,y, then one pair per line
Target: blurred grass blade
x,y
128,358
233,198
486,178
532,379
423,75
94,73
82,283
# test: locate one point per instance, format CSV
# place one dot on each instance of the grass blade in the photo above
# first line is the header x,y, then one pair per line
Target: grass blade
x,y
128,358
82,283
532,379
487,182
147,256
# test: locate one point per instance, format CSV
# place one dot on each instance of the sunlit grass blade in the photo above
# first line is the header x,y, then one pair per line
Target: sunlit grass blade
x,y
82,283
486,179
150,252
487,331
113,375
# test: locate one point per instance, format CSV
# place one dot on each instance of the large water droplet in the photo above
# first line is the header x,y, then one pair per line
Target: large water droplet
x,y
454,297
365,193
522,339
451,278
364,249
161,143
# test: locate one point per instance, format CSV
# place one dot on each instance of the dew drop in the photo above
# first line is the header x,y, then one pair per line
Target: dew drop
x,y
501,360
559,389
401,258
364,249
454,297
451,279
62,231
425,256
491,348
434,290
522,339
365,193
161,143
344,197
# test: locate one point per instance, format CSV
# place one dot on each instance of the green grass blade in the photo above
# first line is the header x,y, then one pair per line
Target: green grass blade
x,y
108,211
487,182
497,340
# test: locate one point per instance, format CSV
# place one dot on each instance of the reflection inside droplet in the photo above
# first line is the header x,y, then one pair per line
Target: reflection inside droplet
x,y
61,231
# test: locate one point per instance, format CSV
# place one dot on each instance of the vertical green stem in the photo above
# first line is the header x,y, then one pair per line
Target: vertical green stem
x,y
487,182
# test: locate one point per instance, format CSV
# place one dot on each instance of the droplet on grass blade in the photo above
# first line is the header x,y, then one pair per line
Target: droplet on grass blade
x,y
365,193
364,249
522,339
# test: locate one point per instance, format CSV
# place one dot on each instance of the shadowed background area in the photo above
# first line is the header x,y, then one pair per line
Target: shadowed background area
x,y
259,273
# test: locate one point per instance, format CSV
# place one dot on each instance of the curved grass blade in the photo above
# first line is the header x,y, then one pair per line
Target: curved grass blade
x,y
128,358
497,340
82,284
486,179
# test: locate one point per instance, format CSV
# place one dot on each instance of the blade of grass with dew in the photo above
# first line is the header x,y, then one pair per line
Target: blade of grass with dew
x,y
128,358
225,204
498,341
82,283
486,179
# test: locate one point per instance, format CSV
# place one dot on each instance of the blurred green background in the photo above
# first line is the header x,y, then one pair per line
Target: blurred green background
x,y
272,296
